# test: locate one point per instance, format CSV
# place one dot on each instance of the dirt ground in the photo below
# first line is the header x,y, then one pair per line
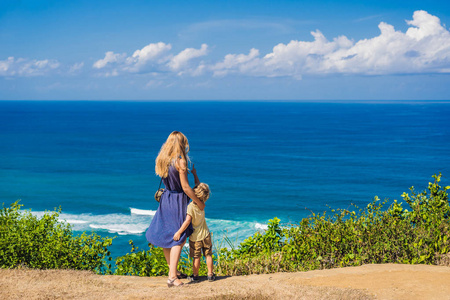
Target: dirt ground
x,y
389,281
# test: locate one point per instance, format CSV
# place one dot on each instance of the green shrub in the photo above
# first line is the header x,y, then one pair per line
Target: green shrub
x,y
152,263
374,234
46,243
142,263
347,238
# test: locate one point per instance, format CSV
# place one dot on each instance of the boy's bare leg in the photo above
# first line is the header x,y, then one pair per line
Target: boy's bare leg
x,y
210,264
196,266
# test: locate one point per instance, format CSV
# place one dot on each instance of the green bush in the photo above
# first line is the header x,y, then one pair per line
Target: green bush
x,y
46,243
152,263
142,263
347,238
375,234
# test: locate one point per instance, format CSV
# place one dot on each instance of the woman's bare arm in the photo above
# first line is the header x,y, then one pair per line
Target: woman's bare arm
x,y
182,169
183,227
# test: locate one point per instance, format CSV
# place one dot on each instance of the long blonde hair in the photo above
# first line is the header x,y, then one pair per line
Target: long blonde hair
x,y
176,146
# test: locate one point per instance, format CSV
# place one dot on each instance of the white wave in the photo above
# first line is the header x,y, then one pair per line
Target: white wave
x,y
137,221
261,226
121,229
142,212
113,223
75,221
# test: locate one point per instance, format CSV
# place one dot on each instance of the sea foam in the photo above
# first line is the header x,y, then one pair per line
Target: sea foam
x,y
143,212
138,220
261,226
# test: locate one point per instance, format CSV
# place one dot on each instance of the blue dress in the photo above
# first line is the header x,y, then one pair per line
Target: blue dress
x,y
170,215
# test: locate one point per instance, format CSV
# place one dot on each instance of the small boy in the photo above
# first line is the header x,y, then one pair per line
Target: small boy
x,y
200,239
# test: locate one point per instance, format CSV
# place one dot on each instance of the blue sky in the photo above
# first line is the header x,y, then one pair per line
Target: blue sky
x,y
224,50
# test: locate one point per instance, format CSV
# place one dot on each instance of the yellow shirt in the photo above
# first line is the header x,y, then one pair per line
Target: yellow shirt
x,y
201,230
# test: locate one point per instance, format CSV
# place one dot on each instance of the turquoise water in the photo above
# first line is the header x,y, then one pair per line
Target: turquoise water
x,y
261,159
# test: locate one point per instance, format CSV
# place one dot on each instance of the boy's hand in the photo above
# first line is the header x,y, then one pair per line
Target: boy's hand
x,y
176,236
194,170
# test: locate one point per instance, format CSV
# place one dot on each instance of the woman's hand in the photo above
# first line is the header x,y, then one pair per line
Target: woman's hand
x,y
176,236
183,227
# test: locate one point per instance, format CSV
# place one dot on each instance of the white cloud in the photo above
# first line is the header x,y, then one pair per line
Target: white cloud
x,y
181,60
425,47
153,59
424,25
26,67
236,63
148,57
5,66
144,60
200,70
75,68
110,58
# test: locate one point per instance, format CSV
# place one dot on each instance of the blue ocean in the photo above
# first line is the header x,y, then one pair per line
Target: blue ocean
x,y
95,159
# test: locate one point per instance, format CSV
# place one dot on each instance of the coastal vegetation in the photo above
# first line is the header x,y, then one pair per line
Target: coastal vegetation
x,y
46,243
418,235
416,231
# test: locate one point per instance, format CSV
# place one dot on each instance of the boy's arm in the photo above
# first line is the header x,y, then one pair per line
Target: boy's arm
x,y
183,227
185,184
194,172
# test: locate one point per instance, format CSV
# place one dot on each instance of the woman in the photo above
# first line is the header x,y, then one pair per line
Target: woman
x,y
171,166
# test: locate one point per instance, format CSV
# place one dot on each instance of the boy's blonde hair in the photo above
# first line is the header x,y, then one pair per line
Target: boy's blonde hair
x,y
201,190
176,146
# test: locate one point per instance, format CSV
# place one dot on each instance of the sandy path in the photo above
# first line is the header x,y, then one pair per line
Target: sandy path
x,y
388,281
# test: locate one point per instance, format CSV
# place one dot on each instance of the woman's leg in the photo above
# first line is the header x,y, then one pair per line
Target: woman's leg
x,y
167,256
175,253
181,249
